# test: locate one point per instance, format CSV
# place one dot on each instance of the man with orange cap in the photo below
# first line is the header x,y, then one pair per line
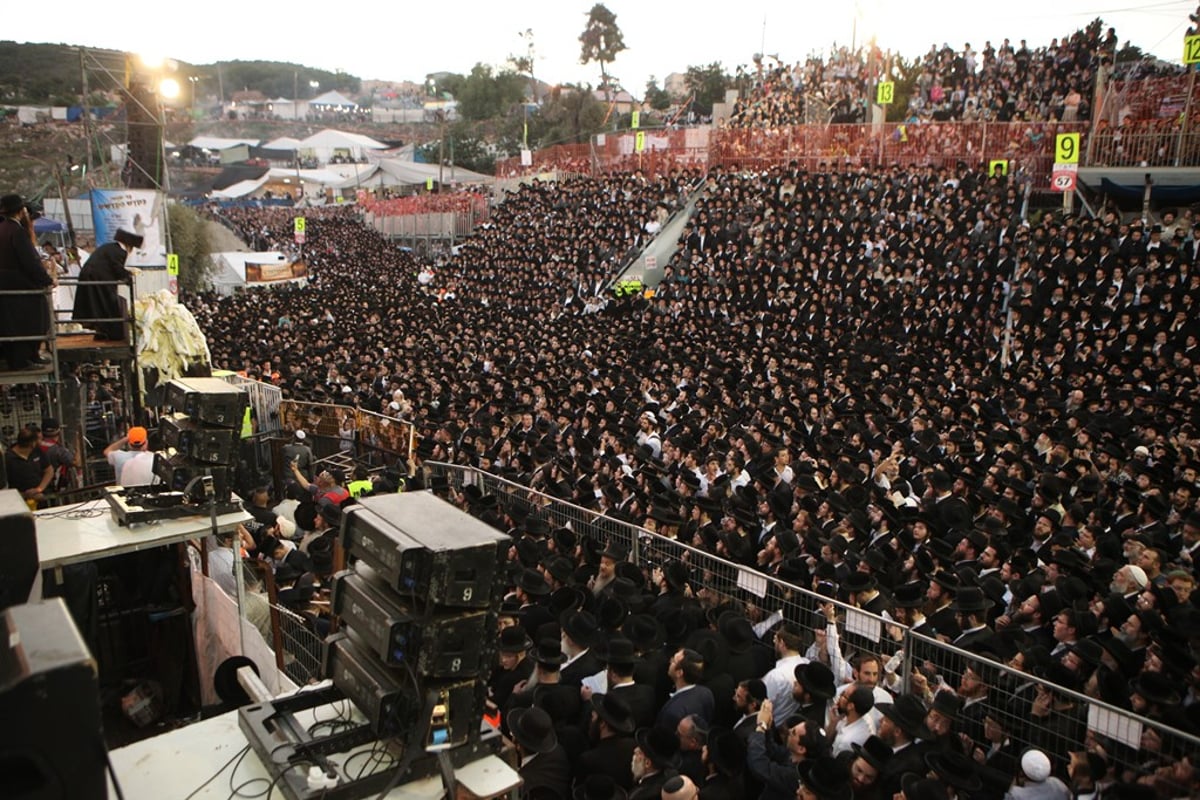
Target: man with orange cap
x,y
131,458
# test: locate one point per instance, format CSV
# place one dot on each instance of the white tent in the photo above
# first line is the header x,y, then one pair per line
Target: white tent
x,y
314,181
329,143
408,173
217,143
230,270
282,143
333,98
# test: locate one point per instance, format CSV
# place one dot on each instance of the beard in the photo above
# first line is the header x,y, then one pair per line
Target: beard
x,y
638,768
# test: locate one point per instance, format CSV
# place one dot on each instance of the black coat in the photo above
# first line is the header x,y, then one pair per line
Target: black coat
x,y
550,771
101,302
612,757
21,268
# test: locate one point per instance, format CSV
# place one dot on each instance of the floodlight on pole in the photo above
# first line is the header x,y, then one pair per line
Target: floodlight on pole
x,y
168,88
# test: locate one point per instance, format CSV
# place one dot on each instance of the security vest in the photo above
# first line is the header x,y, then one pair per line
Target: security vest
x,y
356,488
247,424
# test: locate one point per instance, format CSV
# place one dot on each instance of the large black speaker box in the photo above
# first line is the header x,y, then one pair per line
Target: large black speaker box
x,y
51,745
18,549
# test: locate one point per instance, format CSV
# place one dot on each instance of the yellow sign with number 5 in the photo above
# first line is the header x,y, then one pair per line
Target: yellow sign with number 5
x,y
1066,148
885,93
300,224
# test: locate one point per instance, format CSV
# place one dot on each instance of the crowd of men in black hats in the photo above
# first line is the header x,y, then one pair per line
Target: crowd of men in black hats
x,y
822,389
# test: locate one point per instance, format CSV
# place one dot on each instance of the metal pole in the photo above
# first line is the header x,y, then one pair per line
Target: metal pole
x,y
87,117
1187,114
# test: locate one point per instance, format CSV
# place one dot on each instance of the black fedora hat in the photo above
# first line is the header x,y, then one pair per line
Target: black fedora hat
x,y
908,713
617,650
645,631
874,751
675,573
971,599
917,787
1156,688
533,583
533,729
859,582
513,639
598,787
659,745
736,630
825,777
580,626
548,651
909,595
947,703
615,711
955,769
614,550
817,679
726,752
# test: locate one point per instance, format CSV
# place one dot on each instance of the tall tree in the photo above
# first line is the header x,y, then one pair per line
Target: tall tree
x,y
524,64
602,40
657,98
707,85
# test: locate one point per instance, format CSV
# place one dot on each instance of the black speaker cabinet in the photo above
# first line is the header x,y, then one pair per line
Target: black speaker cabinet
x,y
18,549
51,746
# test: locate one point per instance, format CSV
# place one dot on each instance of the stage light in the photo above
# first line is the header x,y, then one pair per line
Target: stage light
x,y
169,88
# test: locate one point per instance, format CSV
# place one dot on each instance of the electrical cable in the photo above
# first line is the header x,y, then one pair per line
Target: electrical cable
x,y
236,757
411,750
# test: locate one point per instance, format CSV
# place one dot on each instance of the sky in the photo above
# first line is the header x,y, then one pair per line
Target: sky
x,y
407,40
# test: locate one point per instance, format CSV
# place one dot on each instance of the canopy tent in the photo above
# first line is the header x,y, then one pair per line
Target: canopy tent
x,y
326,144
333,99
313,181
267,268
217,143
283,143
409,173
43,225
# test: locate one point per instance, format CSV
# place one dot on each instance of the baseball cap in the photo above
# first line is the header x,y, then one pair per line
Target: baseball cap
x,y
137,435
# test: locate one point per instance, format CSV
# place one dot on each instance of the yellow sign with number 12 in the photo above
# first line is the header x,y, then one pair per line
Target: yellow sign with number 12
x,y
1191,49
1066,148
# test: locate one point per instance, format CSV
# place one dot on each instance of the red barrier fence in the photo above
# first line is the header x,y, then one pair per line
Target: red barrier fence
x,y
457,202
1027,146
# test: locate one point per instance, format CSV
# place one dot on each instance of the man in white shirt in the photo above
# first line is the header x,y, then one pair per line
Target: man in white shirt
x,y
854,725
131,458
780,679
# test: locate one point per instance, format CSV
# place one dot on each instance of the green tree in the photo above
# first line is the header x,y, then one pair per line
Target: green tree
x,y
657,98
484,95
523,65
1129,53
189,240
569,115
465,148
707,85
601,42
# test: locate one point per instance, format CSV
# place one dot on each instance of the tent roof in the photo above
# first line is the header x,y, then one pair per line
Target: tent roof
x,y
412,172
331,138
333,98
239,189
217,143
282,143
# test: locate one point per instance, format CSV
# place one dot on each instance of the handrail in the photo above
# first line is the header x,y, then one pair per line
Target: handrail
x,y
456,474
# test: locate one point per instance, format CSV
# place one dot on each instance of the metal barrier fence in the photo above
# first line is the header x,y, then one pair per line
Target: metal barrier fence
x,y
264,399
301,647
1024,710
1027,146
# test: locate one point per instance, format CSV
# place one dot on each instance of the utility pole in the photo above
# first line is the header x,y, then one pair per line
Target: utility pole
x,y
87,117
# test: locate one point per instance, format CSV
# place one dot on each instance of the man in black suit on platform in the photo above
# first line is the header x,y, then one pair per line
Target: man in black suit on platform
x,y
579,632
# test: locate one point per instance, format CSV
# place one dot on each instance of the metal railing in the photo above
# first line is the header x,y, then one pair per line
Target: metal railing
x,y
1009,707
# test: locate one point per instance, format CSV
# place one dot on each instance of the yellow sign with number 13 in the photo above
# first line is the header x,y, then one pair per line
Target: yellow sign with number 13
x,y
885,93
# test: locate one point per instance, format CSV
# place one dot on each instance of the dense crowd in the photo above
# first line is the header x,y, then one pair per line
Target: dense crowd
x,y
995,83
822,389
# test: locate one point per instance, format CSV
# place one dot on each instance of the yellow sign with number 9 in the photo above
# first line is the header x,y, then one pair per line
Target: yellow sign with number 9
x,y
1066,148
